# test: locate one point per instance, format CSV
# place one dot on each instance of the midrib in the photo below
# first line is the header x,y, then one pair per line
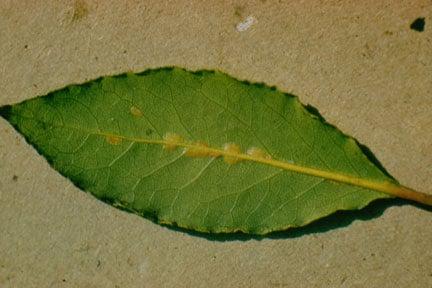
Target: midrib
x,y
390,188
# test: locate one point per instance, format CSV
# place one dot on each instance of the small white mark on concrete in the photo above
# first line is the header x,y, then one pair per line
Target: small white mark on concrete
x,y
143,268
246,24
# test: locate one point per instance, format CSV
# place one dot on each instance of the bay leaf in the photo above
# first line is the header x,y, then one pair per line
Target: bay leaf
x,y
203,151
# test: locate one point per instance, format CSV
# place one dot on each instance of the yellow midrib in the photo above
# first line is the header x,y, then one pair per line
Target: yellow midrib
x,y
356,181
387,187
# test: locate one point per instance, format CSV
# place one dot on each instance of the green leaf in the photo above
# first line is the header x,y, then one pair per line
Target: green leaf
x,y
202,151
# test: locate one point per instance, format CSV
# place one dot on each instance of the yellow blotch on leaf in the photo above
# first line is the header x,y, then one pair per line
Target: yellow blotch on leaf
x,y
113,140
232,150
201,149
258,153
135,111
172,141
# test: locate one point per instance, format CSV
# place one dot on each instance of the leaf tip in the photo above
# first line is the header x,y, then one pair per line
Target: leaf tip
x,y
5,111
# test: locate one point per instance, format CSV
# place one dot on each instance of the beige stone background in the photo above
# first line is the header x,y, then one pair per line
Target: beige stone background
x,y
358,62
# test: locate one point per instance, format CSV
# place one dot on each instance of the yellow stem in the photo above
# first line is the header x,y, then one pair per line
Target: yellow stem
x,y
385,187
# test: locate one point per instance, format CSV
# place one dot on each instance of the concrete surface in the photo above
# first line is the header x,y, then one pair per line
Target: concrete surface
x,y
358,62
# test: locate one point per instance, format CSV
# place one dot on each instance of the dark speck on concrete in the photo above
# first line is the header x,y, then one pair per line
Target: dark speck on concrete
x,y
418,24
80,10
15,178
238,11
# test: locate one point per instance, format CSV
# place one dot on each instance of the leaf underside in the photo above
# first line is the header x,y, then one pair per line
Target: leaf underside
x,y
199,150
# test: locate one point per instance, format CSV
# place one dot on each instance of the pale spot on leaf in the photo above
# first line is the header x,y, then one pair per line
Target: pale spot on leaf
x,y
135,111
172,141
201,149
231,149
258,153
113,140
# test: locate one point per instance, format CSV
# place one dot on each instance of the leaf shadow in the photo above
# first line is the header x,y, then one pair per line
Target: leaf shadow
x,y
338,220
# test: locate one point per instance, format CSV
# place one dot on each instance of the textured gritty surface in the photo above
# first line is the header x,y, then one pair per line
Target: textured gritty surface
x,y
360,65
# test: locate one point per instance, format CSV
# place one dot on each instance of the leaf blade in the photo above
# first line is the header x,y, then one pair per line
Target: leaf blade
x,y
112,130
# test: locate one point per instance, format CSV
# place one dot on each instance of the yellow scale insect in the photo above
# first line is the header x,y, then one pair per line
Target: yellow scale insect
x,y
231,152
113,140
